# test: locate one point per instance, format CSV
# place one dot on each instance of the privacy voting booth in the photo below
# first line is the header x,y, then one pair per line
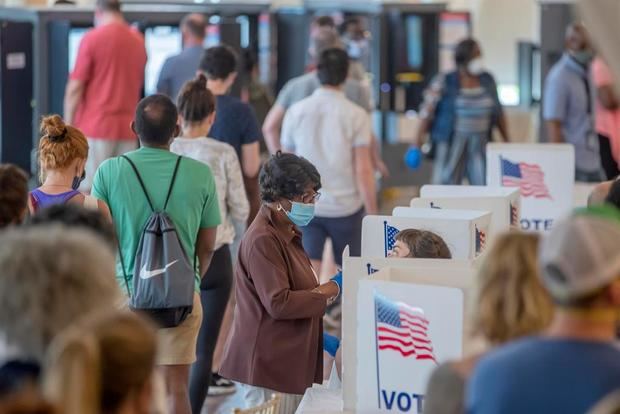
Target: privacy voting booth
x,y
464,231
503,203
544,175
447,273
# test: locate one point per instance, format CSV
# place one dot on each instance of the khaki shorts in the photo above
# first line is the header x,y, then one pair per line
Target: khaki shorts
x,y
100,150
177,346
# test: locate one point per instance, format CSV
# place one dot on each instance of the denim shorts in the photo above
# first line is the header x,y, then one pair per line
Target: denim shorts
x,y
342,231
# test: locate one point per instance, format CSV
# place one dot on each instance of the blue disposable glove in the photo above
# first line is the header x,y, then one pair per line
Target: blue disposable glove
x,y
330,344
337,279
413,157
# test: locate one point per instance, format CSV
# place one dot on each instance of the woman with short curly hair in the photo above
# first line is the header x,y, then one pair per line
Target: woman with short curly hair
x,y
276,341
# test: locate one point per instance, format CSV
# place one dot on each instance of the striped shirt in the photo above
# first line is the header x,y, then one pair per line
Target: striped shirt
x,y
474,112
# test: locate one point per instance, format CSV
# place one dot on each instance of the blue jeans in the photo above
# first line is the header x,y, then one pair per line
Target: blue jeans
x,y
463,156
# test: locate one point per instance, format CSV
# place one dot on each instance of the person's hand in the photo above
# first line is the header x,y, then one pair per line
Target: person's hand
x,y
382,168
330,290
337,279
330,344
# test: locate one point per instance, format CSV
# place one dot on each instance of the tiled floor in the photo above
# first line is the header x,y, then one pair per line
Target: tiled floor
x,y
223,405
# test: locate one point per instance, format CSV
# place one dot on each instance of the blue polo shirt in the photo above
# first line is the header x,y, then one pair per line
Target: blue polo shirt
x,y
569,100
540,375
179,69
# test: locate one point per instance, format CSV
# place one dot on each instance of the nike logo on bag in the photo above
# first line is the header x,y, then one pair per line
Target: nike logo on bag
x,y
147,274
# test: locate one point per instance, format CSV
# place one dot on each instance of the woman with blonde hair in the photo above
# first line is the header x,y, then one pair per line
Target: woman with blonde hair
x,y
62,153
510,303
103,365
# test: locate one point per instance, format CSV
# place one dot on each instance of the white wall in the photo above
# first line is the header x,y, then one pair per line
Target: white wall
x,y
499,25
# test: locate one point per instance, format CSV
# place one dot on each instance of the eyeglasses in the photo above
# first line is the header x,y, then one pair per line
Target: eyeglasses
x,y
309,198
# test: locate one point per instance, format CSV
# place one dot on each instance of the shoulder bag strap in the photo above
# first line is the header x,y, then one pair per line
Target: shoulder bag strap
x,y
135,170
174,177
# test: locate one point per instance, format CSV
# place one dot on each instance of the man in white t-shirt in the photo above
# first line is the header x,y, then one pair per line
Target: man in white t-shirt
x,y
334,134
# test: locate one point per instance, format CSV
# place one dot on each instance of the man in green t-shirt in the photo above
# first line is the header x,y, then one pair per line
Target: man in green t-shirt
x,y
193,207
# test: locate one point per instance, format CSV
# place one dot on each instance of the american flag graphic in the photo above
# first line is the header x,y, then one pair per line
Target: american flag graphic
x,y
514,216
481,239
371,269
529,178
389,234
403,329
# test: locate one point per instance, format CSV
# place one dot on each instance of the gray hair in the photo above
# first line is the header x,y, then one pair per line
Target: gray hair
x,y
51,277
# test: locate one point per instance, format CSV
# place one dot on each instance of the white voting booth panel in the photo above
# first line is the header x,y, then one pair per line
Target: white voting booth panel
x,y
355,269
503,203
464,231
469,191
408,321
544,175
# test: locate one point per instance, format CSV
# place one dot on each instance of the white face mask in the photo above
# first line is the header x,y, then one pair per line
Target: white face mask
x,y
475,66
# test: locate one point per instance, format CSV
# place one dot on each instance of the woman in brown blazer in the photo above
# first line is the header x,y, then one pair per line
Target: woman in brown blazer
x,y
276,341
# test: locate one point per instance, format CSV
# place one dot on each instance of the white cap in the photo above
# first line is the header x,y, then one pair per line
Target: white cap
x,y
581,254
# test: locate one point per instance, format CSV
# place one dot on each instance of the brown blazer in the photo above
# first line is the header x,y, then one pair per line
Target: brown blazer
x,y
276,341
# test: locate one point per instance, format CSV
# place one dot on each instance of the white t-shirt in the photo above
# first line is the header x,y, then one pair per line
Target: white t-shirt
x,y
325,128
224,164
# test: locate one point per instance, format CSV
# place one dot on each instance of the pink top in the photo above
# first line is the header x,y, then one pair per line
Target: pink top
x,y
607,122
110,62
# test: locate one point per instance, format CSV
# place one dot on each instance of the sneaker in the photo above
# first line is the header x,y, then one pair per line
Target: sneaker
x,y
220,386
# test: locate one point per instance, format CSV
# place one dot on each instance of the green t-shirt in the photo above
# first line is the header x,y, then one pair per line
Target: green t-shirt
x,y
193,203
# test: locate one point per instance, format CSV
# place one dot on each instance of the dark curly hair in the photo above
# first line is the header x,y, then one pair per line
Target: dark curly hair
x,y
287,176
73,216
13,194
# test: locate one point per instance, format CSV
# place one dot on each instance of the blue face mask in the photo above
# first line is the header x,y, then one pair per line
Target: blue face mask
x,y
301,214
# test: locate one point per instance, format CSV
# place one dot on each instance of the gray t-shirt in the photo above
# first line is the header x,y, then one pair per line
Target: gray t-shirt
x,y
177,70
303,86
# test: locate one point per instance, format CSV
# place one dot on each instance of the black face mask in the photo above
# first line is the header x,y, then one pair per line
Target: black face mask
x,y
78,180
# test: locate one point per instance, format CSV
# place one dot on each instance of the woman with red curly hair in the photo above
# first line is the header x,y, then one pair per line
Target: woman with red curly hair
x,y
63,150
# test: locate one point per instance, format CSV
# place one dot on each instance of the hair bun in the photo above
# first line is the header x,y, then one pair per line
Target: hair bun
x,y
54,127
201,81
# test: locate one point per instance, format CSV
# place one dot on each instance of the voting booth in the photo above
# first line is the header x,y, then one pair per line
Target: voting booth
x,y
355,269
544,175
408,321
504,204
464,231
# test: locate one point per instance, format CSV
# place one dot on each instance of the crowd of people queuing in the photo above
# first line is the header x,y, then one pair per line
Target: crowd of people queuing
x,y
185,215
